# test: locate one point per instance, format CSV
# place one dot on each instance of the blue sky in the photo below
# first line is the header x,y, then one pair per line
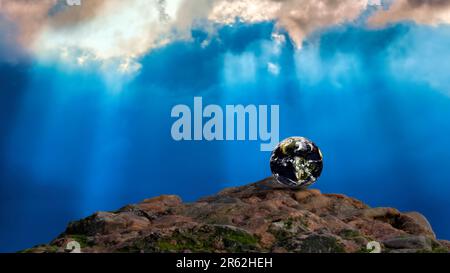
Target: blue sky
x,y
81,136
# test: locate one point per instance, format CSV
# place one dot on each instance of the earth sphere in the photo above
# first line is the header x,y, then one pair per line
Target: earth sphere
x,y
296,162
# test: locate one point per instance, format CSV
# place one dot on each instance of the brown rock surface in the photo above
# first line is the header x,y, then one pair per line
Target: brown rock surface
x,y
260,217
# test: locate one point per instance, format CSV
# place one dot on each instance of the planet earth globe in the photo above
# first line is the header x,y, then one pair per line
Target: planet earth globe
x,y
296,162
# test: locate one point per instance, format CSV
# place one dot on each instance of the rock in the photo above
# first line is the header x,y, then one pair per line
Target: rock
x,y
403,251
314,243
445,243
303,194
260,217
409,242
420,220
380,213
445,246
99,223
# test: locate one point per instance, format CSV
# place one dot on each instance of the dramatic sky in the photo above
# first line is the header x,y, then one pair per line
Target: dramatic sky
x,y
86,94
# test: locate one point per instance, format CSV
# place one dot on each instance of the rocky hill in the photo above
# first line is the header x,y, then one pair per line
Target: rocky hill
x,y
260,217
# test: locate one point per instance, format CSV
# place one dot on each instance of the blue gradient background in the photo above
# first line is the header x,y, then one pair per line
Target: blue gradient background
x,y
375,101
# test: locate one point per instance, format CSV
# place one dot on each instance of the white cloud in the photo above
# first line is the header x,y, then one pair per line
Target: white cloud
x,y
98,31
128,29
250,11
120,32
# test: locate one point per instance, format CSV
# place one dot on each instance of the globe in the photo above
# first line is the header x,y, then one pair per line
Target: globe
x,y
296,162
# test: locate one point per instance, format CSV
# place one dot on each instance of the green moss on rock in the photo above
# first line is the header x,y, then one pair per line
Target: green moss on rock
x,y
321,244
349,234
207,238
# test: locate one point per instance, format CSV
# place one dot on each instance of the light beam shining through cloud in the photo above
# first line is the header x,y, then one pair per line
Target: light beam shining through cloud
x,y
118,33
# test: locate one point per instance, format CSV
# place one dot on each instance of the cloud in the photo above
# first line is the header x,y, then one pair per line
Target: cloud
x,y
428,12
124,29
299,17
9,52
27,15
105,29
63,15
98,31
117,33
250,11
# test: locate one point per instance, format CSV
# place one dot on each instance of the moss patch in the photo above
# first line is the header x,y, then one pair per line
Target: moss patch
x,y
288,228
321,244
439,249
349,234
207,238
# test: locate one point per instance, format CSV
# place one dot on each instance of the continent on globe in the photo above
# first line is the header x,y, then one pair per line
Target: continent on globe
x,y
296,162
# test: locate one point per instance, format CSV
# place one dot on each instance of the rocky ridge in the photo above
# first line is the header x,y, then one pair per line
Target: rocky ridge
x,y
260,217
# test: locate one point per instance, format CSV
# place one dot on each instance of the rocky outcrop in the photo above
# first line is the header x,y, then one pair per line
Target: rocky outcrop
x,y
261,217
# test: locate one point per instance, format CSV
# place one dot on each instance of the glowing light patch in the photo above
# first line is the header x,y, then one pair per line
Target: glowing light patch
x,y
120,33
273,68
